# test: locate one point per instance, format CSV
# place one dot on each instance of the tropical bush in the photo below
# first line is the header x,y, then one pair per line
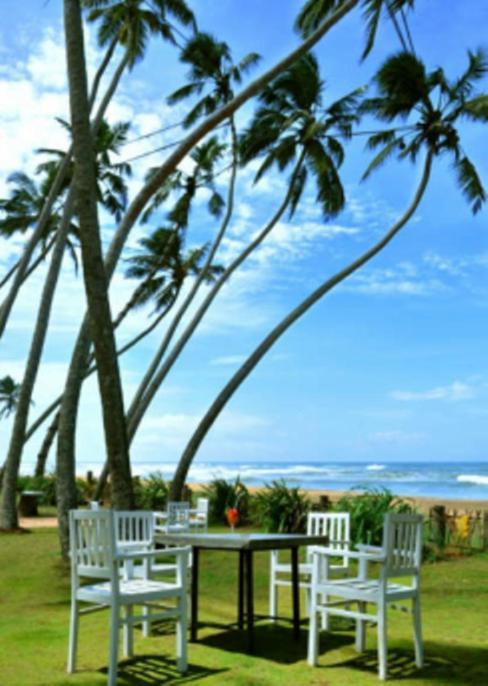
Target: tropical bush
x,y
367,510
224,494
281,509
47,486
151,493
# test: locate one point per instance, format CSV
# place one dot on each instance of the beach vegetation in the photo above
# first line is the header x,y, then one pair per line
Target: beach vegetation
x,y
281,508
223,495
367,507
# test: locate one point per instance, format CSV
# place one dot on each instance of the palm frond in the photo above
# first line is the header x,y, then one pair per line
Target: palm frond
x,y
382,156
470,183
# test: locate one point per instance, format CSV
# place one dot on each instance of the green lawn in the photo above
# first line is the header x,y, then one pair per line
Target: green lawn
x,y
34,608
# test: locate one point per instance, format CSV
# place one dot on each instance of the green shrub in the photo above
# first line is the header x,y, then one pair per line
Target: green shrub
x,y
279,508
367,510
223,494
47,485
151,493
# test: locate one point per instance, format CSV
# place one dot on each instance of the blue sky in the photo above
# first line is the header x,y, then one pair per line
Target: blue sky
x,y
391,366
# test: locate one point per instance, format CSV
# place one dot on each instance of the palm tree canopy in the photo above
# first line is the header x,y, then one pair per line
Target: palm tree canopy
x,y
314,12
185,185
162,267
292,120
9,395
132,22
111,187
210,63
405,89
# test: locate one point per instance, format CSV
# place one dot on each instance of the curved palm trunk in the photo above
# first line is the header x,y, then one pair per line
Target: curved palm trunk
x,y
24,261
136,413
160,353
96,282
43,454
32,267
8,510
244,371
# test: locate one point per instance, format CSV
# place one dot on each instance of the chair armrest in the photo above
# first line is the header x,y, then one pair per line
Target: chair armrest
x,y
366,548
143,555
350,554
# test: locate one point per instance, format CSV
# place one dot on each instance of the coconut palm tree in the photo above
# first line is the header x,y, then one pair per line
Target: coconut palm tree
x,y
291,127
133,22
404,90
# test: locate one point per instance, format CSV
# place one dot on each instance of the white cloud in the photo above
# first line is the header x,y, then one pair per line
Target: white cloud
x,y
228,360
454,392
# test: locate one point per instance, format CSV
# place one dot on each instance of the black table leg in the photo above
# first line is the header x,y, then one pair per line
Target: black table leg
x,y
240,600
194,597
295,593
250,601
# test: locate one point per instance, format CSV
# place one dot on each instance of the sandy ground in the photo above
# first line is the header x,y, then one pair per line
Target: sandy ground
x,y
423,504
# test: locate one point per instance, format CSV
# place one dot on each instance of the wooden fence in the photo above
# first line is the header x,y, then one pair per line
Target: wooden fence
x,y
458,528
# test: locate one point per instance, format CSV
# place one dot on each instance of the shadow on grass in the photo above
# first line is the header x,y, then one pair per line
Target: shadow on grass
x,y
153,670
272,642
444,664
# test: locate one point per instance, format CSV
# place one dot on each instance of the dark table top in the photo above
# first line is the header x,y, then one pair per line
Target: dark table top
x,y
232,541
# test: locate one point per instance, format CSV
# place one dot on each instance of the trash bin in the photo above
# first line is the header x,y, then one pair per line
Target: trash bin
x,y
28,502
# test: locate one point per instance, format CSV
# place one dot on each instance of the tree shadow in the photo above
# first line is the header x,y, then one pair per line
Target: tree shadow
x,y
444,663
154,670
273,642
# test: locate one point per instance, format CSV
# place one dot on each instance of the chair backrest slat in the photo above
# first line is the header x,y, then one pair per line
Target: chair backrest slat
x,y
402,544
92,543
178,515
333,525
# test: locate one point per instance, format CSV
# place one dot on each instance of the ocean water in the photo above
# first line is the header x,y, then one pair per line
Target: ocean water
x,y
468,481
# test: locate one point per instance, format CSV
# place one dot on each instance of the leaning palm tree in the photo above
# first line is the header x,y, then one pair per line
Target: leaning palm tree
x,y
291,128
430,108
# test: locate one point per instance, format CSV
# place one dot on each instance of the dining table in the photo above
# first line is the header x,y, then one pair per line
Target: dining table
x,y
245,544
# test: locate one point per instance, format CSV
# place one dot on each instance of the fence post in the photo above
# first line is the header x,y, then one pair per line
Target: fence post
x,y
438,520
485,529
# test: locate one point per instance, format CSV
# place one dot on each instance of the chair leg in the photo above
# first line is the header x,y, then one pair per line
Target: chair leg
x,y
417,632
182,635
361,629
113,645
313,634
382,641
128,632
324,615
273,594
73,636
146,624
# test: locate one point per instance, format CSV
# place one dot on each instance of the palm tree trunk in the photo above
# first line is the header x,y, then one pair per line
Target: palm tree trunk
x,y
43,454
8,511
160,353
45,214
135,413
244,371
96,283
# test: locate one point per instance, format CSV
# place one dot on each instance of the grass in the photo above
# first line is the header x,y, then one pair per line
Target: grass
x,y
34,608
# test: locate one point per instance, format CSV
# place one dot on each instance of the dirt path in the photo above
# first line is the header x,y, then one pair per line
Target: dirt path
x,y
38,522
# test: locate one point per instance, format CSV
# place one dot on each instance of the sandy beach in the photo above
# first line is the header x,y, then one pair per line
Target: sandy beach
x,y
423,504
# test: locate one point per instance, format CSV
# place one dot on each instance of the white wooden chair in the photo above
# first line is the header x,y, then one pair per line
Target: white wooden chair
x,y
399,556
178,519
335,527
94,554
199,515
